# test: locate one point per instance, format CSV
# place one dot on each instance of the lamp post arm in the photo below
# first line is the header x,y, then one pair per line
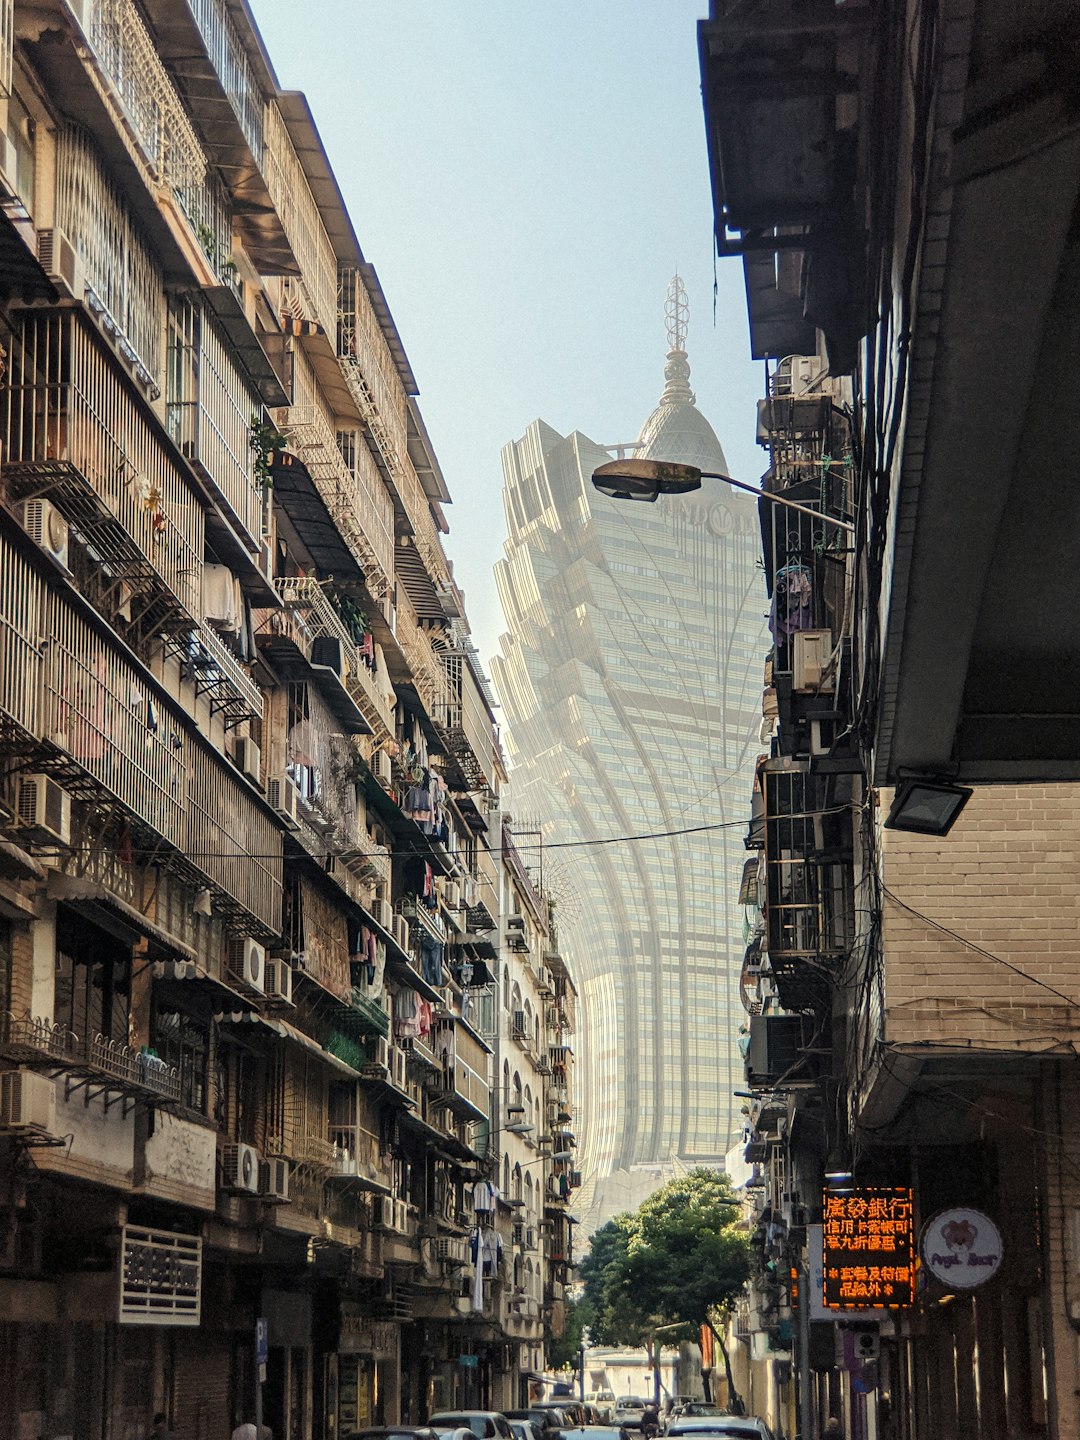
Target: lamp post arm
x,y
779,500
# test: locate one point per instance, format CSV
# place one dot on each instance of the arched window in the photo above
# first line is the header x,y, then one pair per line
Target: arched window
x,y
528,1194
515,999
517,1096
506,987
517,1182
506,1175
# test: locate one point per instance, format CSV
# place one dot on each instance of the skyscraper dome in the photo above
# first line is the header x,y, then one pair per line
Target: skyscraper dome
x,y
677,430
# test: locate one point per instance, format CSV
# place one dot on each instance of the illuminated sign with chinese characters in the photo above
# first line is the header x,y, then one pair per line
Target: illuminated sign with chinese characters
x,y
869,1249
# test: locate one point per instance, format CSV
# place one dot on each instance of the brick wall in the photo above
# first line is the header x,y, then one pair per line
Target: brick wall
x,y
1007,879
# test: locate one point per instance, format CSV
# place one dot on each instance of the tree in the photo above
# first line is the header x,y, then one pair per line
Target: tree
x,y
680,1259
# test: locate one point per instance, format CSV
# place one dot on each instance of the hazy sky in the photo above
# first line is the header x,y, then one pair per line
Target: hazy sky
x,y
526,175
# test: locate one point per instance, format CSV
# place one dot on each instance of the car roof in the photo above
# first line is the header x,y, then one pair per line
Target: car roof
x,y
718,1425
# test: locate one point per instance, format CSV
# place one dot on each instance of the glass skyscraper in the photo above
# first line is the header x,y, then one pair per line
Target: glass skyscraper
x,y
631,677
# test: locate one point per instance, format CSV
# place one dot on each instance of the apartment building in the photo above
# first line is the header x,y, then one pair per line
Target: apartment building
x,y
911,977
250,855
532,1118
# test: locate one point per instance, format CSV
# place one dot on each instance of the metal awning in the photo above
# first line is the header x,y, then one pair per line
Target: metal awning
x,y
284,1031
298,495
106,910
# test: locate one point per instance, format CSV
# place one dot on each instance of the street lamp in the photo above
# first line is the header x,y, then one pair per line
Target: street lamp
x,y
649,479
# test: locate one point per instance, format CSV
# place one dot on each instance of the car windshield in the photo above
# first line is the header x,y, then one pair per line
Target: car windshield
x,y
631,1402
721,1426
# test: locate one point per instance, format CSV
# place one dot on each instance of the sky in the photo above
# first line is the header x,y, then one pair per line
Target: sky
x,y
526,178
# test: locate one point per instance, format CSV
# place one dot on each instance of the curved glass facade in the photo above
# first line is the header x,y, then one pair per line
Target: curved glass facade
x,y
631,681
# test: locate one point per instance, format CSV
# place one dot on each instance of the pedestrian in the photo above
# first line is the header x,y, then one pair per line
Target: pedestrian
x,y
160,1428
832,1429
247,1432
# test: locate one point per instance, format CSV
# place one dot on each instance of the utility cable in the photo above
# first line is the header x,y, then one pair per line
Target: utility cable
x,y
978,949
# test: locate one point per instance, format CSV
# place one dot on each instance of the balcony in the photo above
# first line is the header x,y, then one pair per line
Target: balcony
x,y
808,848
203,41
210,406
465,1091
309,630
358,1159
94,1064
74,432
371,373
347,484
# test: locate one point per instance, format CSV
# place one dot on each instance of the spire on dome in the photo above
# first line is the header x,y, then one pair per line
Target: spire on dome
x,y
677,430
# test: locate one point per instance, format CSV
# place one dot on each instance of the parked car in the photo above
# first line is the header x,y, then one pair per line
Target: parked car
x,y
484,1424
628,1411
688,1410
525,1429
393,1432
720,1427
596,1432
547,1418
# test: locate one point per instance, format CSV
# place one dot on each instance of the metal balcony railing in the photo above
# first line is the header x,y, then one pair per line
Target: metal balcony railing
x,y
807,837
350,488
235,72
129,56
318,616
73,432
32,1040
294,202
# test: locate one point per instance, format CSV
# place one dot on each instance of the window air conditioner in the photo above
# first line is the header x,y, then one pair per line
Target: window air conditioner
x,y
381,767
246,757
382,914
397,1067
383,1212
27,1102
274,1179
285,799
252,965
240,1168
47,528
44,809
401,931
61,262
520,1028
812,650
279,981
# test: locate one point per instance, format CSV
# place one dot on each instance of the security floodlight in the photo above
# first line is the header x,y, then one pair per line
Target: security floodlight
x,y
927,807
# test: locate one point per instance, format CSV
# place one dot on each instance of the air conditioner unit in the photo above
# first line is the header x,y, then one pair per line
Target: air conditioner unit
x,y
240,1168
45,525
252,965
397,1067
61,262
27,1102
274,1179
247,758
285,799
451,895
327,653
518,1025
44,809
381,767
384,1211
279,981
811,652
401,931
382,914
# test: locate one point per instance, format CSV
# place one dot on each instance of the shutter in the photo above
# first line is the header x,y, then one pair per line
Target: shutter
x,y
201,1384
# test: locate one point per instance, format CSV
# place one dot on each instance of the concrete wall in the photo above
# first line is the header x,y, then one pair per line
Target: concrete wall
x,y
1006,879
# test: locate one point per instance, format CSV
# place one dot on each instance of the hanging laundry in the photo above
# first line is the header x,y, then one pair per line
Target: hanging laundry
x,y
406,1014
431,958
792,603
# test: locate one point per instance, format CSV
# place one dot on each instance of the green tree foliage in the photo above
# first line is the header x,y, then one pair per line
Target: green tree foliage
x,y
679,1259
